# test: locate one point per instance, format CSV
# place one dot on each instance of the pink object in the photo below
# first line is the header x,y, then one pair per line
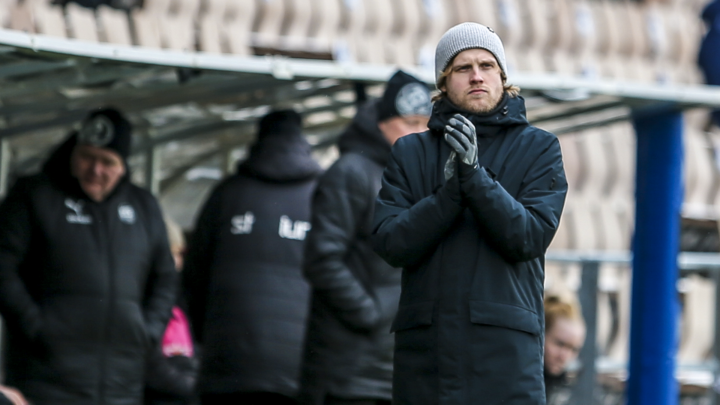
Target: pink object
x,y
177,340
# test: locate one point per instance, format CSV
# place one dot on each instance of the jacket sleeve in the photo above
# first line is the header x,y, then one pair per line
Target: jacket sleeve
x,y
160,291
405,230
340,203
196,273
18,308
521,228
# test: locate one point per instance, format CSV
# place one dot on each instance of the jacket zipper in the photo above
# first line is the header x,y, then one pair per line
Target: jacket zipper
x,y
105,250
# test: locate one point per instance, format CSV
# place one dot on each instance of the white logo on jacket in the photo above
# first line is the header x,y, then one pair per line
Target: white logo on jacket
x,y
296,231
78,217
242,224
126,213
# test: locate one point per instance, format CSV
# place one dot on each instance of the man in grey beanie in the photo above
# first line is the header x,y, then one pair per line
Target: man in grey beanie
x,y
468,209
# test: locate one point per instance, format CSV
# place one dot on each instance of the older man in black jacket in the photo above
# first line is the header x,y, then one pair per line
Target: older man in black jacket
x,y
348,349
86,276
468,210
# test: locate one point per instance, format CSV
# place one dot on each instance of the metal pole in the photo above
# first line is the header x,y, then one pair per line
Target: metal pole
x,y
654,310
5,157
583,391
152,169
715,392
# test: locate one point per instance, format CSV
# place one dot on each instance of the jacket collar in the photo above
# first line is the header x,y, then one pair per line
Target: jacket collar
x,y
364,137
510,111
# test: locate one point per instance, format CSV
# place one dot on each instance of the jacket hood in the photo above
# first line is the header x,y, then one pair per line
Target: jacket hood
x,y
57,168
280,157
509,112
363,136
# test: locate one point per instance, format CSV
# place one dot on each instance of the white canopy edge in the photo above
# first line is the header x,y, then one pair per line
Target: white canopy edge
x,y
284,68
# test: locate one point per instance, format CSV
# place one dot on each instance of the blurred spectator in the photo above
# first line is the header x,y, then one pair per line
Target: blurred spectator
x,y
11,396
348,352
172,367
564,337
247,298
709,58
86,277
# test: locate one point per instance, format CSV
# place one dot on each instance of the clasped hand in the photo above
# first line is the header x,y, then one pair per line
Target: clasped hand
x,y
460,135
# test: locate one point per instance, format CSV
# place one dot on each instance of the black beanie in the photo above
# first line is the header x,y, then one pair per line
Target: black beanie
x,y
280,122
107,128
404,95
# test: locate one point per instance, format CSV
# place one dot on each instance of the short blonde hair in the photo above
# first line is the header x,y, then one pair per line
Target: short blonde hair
x,y
558,307
511,89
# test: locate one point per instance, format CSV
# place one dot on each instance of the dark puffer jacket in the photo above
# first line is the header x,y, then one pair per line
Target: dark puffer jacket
x,y
349,347
247,298
85,287
470,325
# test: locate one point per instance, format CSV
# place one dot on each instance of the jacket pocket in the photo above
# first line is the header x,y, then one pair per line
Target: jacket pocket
x,y
505,316
413,315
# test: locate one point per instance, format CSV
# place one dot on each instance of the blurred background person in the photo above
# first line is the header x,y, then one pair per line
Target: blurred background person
x,y
348,349
87,281
246,294
564,337
709,58
171,372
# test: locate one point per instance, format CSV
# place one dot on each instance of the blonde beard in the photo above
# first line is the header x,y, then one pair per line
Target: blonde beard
x,y
474,110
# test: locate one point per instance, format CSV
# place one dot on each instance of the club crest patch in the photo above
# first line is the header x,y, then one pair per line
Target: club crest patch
x,y
97,132
413,99
126,213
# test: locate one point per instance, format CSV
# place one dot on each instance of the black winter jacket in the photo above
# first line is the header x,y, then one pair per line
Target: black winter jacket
x,y
470,324
85,288
349,347
247,298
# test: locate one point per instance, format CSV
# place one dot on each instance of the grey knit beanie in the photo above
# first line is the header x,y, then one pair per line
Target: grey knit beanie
x,y
466,36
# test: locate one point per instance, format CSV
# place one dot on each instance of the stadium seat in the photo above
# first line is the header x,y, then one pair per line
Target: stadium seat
x,y
698,319
350,46
510,28
267,27
239,24
619,346
480,11
436,20
212,26
146,21
621,195
609,39
5,10
378,29
583,47
560,35
179,25
404,44
535,16
699,175
81,23
37,16
637,62
325,27
114,26
296,25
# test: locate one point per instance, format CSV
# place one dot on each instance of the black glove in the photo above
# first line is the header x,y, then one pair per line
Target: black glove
x,y
452,183
460,135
